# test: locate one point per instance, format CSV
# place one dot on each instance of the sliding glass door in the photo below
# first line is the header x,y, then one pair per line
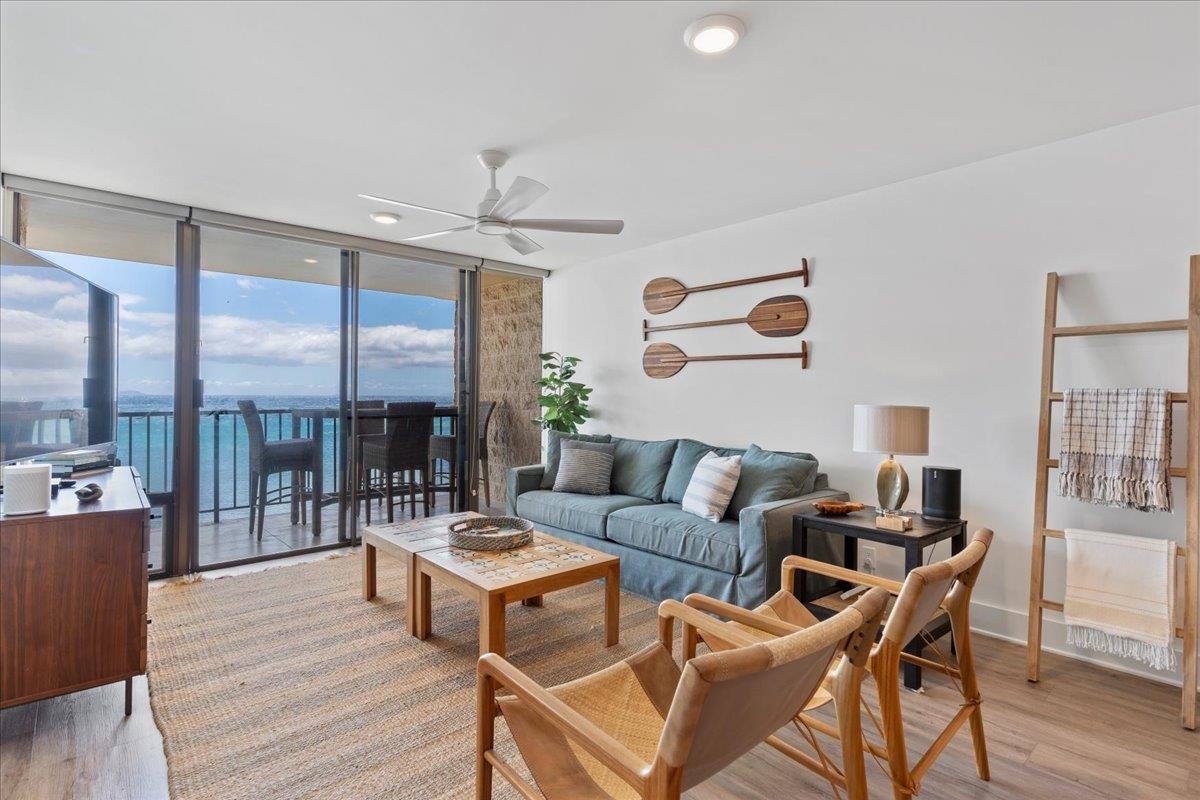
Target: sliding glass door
x,y
406,371
271,460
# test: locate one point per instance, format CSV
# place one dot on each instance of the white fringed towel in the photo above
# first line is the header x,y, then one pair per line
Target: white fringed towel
x,y
1120,596
1116,447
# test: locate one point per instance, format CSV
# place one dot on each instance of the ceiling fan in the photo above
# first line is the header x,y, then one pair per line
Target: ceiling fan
x,y
494,214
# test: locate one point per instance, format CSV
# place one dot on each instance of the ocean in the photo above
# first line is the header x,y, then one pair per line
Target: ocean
x,y
145,436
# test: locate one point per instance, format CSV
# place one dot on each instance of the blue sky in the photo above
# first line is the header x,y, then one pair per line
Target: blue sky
x,y
268,337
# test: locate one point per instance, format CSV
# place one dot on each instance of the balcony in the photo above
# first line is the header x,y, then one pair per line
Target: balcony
x,y
144,440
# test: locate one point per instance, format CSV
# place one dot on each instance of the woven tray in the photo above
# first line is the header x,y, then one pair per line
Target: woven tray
x,y
491,533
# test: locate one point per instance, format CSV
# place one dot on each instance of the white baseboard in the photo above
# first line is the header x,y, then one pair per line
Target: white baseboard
x,y
1013,626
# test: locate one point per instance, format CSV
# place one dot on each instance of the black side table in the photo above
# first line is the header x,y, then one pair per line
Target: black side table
x,y
861,525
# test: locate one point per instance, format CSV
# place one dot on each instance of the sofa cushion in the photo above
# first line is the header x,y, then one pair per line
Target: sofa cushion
x,y
767,477
668,530
554,450
585,467
582,513
712,486
640,468
688,453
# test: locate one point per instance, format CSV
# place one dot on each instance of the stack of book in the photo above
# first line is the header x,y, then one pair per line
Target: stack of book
x,y
77,463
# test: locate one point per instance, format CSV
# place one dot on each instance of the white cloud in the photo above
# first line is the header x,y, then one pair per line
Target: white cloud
x,y
240,340
248,284
43,356
71,304
29,287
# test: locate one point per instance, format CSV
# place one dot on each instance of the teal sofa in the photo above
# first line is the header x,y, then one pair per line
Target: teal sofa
x,y
665,551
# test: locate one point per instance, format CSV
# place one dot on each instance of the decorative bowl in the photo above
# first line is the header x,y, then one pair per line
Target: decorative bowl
x,y
836,508
491,533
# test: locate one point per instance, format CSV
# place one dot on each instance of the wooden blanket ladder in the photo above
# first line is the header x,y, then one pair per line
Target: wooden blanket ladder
x,y
1190,552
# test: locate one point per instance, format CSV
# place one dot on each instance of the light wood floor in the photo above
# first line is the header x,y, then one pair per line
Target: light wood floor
x,y
1084,733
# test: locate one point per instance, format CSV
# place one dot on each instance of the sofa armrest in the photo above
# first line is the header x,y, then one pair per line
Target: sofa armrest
x,y
521,480
765,539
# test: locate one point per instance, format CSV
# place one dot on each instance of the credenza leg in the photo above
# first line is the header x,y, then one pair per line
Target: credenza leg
x,y
128,696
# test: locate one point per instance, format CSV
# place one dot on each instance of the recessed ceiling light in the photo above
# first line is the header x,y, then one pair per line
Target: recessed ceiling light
x,y
713,35
310,261
385,217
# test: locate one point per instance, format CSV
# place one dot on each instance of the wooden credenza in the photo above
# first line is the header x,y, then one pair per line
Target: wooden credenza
x,y
73,585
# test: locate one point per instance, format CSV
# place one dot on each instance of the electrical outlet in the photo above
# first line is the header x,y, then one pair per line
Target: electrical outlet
x,y
868,560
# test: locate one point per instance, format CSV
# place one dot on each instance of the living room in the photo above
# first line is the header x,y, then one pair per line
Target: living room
x,y
756,314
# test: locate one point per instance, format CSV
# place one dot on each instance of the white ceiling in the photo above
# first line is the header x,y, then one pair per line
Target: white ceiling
x,y
287,111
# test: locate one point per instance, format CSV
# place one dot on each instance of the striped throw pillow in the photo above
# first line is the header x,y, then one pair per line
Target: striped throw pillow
x,y
712,486
585,468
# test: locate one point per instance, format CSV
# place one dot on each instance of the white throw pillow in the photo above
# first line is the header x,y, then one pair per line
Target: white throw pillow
x,y
712,485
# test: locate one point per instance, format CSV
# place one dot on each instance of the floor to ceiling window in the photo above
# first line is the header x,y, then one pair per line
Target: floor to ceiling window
x,y
407,369
133,256
335,381
270,464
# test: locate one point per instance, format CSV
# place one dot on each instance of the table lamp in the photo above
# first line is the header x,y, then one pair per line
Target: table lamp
x,y
895,430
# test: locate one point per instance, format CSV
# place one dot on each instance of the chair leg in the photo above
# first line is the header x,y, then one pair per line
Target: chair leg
x,y
485,736
253,500
388,480
262,503
425,490
887,681
452,472
847,691
364,482
410,482
298,493
961,632
293,506
487,484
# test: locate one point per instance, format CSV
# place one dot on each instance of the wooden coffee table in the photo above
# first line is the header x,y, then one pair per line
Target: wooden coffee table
x,y
494,579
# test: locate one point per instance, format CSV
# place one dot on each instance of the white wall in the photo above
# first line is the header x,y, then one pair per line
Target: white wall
x,y
926,292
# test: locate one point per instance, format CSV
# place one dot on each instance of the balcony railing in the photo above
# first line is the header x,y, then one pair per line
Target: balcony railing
x,y
145,440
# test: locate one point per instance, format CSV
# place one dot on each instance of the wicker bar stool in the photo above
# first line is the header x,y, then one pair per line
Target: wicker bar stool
x,y
404,449
297,456
443,448
447,451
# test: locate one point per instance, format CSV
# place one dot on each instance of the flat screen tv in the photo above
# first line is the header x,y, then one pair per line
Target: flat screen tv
x,y
58,359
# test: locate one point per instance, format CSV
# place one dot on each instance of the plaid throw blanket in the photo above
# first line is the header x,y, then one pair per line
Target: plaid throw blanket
x,y
1116,447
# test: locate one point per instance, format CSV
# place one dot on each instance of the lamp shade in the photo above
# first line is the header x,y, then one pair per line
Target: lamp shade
x,y
897,430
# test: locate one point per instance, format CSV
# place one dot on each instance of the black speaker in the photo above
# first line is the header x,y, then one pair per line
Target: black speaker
x,y
941,492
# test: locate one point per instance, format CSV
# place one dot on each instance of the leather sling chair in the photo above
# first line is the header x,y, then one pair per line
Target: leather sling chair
x,y
646,729
928,591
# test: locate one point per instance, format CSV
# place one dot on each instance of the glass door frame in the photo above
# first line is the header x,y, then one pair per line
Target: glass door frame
x,y
466,379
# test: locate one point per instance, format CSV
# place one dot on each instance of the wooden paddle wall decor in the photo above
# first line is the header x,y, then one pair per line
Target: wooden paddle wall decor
x,y
664,294
662,360
786,315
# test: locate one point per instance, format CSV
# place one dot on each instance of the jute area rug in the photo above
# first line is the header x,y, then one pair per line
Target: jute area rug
x,y
287,684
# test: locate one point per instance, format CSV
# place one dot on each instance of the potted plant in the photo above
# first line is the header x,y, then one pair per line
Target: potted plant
x,y
563,401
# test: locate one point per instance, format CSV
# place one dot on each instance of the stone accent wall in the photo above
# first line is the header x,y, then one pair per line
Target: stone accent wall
x,y
509,343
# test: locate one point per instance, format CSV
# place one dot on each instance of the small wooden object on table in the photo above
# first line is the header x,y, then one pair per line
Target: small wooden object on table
x,y
893,522
494,579
926,531
836,508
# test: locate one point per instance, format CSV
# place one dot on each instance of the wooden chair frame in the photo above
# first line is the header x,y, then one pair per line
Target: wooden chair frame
x,y
659,780
885,658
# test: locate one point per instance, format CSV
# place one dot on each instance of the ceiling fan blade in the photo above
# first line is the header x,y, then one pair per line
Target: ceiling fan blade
x,y
571,225
417,207
438,233
523,193
521,243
